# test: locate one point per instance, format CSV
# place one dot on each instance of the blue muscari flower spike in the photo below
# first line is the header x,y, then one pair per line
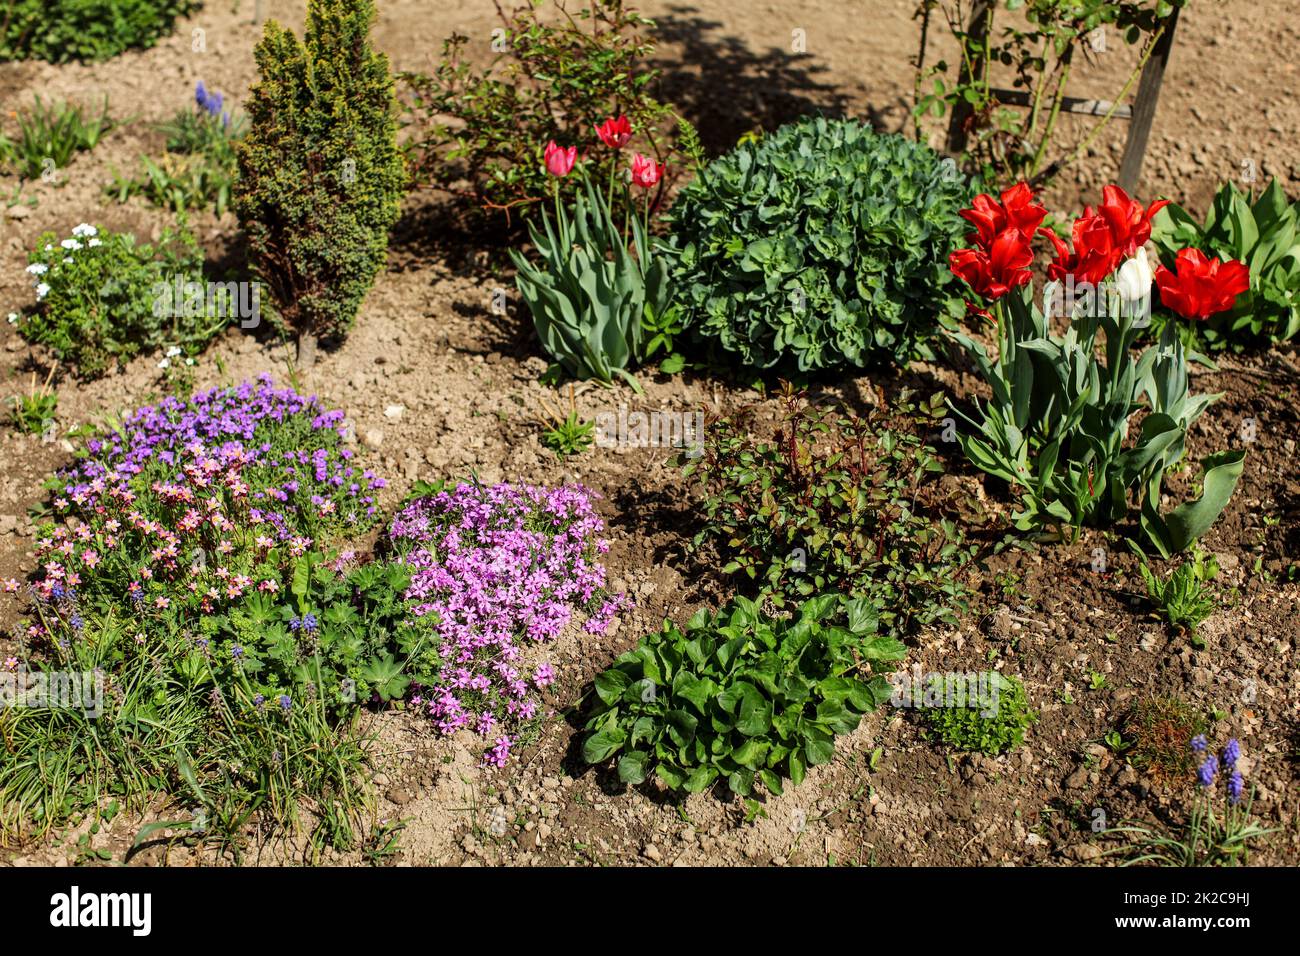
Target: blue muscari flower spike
x,y
1199,743
1205,775
208,102
1231,753
1235,785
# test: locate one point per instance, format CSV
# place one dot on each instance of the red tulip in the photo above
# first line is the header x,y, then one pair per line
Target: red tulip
x,y
645,171
1095,256
1130,224
1016,210
1103,238
615,133
1199,287
994,272
559,161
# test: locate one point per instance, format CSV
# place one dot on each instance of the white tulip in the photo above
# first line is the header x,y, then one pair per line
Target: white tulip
x,y
1133,281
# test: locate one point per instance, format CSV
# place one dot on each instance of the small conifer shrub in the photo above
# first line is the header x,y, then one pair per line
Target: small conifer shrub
x,y
320,176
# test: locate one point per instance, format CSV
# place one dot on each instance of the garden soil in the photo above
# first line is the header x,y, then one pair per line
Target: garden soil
x,y
440,386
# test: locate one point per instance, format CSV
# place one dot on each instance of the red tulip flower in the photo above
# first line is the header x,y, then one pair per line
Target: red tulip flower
x,y
990,218
994,272
645,171
1130,224
1094,257
1199,287
615,133
1103,238
559,161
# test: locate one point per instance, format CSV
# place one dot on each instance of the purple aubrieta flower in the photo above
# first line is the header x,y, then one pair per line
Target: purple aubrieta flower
x,y
1205,773
1199,743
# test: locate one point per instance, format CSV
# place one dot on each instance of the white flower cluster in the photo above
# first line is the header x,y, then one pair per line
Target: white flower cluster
x,y
38,269
173,352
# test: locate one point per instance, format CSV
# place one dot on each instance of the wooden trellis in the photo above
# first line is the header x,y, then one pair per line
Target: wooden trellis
x,y
1140,115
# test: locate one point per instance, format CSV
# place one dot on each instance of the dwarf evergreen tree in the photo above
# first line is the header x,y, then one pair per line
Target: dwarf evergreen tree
x,y
320,175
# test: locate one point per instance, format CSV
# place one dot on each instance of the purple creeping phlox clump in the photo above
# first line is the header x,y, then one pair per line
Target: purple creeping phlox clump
x,y
191,505
502,567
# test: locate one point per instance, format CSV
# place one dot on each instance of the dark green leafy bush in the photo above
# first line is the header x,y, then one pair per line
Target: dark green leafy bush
x,y
98,298
821,245
835,501
971,728
63,30
740,695
481,132
320,177
1265,235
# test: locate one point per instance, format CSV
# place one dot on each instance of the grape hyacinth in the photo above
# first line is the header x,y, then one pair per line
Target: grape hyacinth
x,y
210,102
1231,753
1235,784
502,567
1206,772
1209,768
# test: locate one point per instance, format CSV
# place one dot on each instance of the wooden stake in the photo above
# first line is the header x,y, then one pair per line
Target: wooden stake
x,y
1144,108
980,18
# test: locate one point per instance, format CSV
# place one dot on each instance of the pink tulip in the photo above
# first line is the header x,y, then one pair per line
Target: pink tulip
x,y
645,171
559,161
